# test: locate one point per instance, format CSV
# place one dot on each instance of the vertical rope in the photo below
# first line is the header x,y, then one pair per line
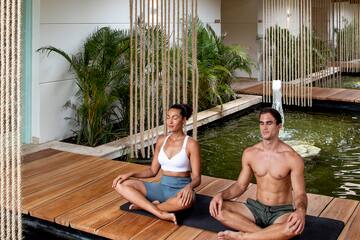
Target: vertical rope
x,y
10,121
13,117
291,70
168,65
178,78
152,74
2,118
131,81
186,47
264,73
136,80
163,65
7,117
157,52
148,75
183,50
142,74
196,97
19,112
174,52
309,54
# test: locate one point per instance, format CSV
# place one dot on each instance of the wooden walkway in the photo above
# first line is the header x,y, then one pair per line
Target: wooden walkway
x,y
324,94
74,190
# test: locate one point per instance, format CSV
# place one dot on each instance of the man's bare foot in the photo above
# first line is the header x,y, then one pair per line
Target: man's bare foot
x,y
168,217
136,207
230,235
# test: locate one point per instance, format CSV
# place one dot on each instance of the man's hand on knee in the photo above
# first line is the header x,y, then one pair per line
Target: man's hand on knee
x,y
296,222
216,205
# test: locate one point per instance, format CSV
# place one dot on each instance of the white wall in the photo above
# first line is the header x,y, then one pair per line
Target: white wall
x,y
65,24
239,21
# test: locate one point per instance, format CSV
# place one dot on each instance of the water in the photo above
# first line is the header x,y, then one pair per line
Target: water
x,y
350,82
335,172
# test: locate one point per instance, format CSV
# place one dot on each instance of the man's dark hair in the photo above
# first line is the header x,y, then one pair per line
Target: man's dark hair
x,y
273,112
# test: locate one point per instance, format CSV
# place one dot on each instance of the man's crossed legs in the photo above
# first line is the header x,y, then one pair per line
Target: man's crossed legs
x,y
256,221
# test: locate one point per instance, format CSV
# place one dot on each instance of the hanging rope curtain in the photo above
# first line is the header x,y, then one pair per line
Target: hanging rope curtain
x,y
163,66
326,69
287,54
347,19
10,79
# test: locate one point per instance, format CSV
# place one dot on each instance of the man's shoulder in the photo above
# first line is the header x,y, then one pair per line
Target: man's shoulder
x,y
289,151
253,149
292,156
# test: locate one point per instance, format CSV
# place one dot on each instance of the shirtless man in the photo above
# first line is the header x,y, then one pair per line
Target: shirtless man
x,y
280,206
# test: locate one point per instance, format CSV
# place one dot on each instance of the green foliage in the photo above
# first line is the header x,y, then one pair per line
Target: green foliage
x,y
216,63
102,77
102,69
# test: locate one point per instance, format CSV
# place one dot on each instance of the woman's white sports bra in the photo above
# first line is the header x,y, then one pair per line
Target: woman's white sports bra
x,y
178,163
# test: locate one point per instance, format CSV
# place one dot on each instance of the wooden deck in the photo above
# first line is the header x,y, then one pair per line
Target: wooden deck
x,y
74,190
324,94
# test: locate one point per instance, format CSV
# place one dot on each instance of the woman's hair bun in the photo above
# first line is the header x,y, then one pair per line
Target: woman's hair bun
x,y
185,109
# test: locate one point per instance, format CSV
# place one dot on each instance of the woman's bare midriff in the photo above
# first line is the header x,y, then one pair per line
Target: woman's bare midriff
x,y
176,174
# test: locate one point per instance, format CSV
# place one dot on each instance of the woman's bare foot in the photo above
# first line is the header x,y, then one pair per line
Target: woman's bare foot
x,y
230,235
167,216
133,207
136,207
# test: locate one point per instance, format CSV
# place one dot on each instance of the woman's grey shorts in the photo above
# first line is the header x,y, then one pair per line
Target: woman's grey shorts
x,y
167,188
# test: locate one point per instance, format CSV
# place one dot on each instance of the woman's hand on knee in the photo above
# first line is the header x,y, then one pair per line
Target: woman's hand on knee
x,y
186,196
120,179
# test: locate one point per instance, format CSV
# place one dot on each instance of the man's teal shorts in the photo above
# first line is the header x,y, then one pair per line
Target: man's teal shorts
x,y
266,215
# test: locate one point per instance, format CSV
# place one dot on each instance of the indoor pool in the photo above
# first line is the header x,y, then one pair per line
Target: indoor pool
x,y
334,172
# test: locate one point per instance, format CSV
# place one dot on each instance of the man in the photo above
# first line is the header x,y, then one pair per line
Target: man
x,y
280,206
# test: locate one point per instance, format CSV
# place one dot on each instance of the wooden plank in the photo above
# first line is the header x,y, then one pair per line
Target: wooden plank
x,y
53,191
317,203
216,186
157,230
206,235
329,92
91,206
351,230
94,189
39,182
66,218
48,164
340,209
38,155
325,93
125,227
348,95
100,217
185,232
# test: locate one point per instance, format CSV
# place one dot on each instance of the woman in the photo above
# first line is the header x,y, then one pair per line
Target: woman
x,y
178,156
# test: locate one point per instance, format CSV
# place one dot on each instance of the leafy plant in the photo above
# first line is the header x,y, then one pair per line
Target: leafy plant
x,y
216,63
102,77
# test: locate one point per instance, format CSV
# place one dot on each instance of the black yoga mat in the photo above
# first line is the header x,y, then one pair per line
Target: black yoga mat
x,y
198,216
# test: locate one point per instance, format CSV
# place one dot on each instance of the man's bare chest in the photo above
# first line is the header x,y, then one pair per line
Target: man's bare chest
x,y
274,168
